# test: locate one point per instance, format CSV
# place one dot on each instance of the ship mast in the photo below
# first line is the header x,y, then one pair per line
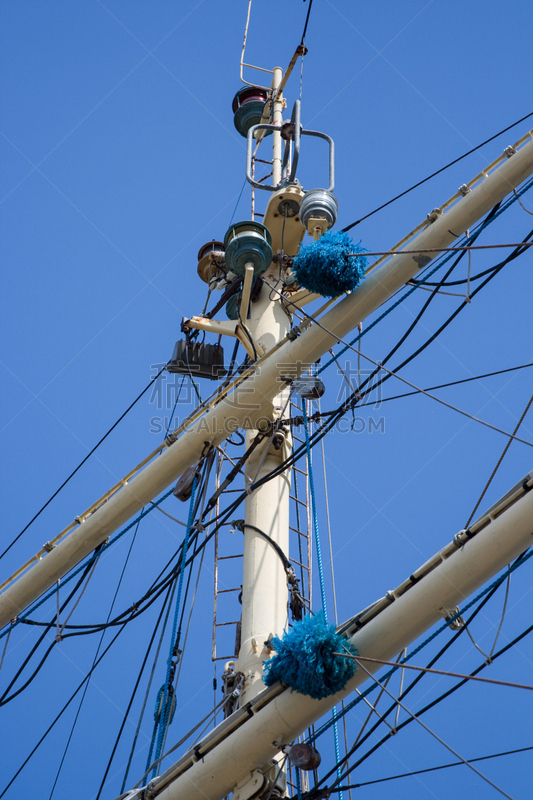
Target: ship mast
x,y
245,744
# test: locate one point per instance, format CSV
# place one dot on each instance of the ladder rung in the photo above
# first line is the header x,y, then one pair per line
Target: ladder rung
x,y
219,624
293,561
297,500
300,533
221,591
301,471
224,658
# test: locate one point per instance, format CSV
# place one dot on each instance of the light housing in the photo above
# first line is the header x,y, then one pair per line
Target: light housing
x,y
248,105
248,243
210,259
319,204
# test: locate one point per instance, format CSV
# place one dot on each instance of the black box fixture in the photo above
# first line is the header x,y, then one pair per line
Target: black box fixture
x,y
197,359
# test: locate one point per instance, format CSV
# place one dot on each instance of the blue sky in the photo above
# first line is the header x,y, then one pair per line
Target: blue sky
x,y
119,159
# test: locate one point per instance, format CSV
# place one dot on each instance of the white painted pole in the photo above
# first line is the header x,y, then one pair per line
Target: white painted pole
x,y
265,591
223,759
253,398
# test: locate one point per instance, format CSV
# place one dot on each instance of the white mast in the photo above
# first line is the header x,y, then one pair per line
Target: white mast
x,y
264,605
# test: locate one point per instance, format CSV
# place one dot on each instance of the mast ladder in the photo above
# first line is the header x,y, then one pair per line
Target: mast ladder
x,y
225,590
301,518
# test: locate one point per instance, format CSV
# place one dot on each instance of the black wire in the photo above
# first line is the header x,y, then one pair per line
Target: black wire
x,y
133,610
169,598
69,701
231,367
515,253
134,691
160,583
94,659
440,386
404,693
428,301
155,589
429,769
453,283
320,432
47,625
241,525
433,174
414,682
191,375
250,338
174,407
335,416
306,21
349,403
89,454
199,495
438,699
320,414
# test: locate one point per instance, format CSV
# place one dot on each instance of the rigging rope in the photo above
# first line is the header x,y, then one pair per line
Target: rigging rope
x,y
433,174
78,711
69,701
431,704
359,742
433,769
89,561
165,701
82,462
498,463
484,224
319,563
488,590
448,747
167,600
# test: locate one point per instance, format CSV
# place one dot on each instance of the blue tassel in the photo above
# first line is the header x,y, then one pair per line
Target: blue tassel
x,y
304,659
325,267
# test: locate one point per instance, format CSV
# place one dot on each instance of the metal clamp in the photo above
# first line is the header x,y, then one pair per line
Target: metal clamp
x,y
292,136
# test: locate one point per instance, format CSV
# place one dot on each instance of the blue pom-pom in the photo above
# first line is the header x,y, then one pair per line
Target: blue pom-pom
x,y
305,659
326,266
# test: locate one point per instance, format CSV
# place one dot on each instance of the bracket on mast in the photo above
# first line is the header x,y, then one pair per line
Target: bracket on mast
x,y
253,348
453,618
250,786
226,329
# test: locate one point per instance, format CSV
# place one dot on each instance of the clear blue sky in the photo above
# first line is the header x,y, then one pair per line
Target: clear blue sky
x,y
119,159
